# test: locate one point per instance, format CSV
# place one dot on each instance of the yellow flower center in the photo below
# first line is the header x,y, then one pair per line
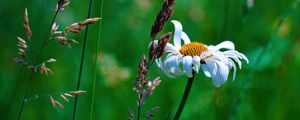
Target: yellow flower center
x,y
192,49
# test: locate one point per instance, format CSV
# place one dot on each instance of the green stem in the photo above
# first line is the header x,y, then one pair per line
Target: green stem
x,y
82,60
185,96
96,62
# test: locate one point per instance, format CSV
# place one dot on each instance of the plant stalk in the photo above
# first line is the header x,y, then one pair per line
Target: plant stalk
x,y
96,61
82,60
185,96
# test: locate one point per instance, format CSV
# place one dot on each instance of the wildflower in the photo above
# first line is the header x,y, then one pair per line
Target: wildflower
x,y
189,57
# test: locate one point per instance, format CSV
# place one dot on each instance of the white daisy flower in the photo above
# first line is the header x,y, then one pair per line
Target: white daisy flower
x,y
183,59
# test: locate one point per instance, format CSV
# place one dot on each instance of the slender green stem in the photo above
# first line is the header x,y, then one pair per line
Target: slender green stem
x,y
82,60
96,62
185,96
35,63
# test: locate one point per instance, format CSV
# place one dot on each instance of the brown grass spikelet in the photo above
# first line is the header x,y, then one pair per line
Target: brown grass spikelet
x,y
53,103
164,14
162,42
78,92
77,27
61,5
150,114
21,52
21,43
65,98
59,104
69,95
152,85
54,28
22,46
138,84
44,69
26,25
152,50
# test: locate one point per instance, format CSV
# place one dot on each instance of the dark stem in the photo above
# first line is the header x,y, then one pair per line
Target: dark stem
x,y
35,63
25,96
184,97
82,60
139,106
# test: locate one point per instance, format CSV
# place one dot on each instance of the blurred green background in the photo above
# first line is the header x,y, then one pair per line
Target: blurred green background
x,y
267,32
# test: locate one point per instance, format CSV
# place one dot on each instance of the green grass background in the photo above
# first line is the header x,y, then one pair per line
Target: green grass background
x,y
267,88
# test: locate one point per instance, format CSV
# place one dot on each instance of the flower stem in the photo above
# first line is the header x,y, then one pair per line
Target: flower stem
x,y
185,96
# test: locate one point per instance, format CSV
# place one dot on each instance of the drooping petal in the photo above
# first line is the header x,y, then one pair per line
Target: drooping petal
x,y
234,55
232,65
244,57
177,33
187,65
196,63
185,38
212,68
219,57
206,70
223,71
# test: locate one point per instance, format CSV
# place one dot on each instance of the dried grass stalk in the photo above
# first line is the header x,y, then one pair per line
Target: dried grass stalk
x,y
164,14
26,25
61,5
162,42
77,27
138,84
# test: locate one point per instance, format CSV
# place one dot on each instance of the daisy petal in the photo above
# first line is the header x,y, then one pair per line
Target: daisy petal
x,y
225,44
196,63
185,38
211,66
187,65
206,70
232,65
159,63
177,33
223,71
